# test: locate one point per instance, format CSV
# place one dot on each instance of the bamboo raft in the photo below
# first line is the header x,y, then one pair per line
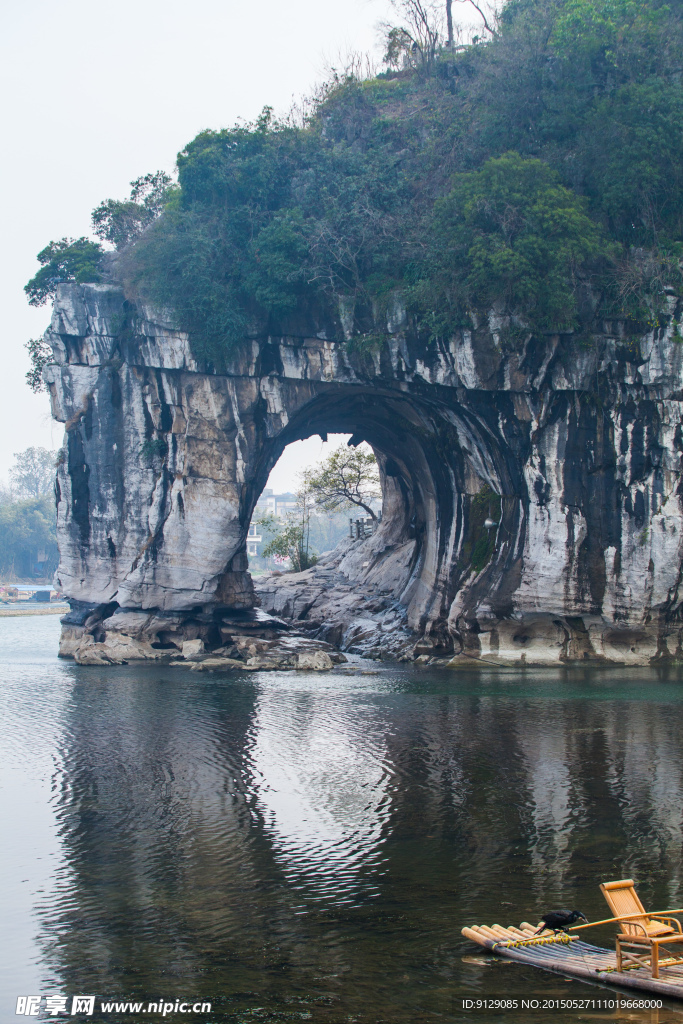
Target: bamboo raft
x,y
569,955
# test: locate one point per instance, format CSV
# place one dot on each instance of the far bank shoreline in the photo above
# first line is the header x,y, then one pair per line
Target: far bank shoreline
x,y
13,611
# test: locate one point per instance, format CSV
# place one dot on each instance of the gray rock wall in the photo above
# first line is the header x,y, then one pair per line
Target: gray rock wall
x,y
572,448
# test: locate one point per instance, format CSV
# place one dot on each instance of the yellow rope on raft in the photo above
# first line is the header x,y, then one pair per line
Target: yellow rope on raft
x,y
563,939
668,962
624,967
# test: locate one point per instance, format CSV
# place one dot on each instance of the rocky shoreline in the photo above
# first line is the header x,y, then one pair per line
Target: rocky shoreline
x,y
361,617
249,640
303,621
347,604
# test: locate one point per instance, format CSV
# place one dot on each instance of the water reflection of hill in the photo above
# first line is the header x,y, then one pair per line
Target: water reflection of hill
x,y
316,844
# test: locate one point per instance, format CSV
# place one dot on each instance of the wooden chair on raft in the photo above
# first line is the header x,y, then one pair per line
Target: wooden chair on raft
x,y
642,935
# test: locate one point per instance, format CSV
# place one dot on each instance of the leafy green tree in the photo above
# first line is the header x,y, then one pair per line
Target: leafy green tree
x,y
219,272
39,353
633,153
121,222
33,472
69,259
511,234
270,525
27,516
277,260
292,536
348,478
291,543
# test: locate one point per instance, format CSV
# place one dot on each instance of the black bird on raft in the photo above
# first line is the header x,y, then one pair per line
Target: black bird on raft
x,y
558,920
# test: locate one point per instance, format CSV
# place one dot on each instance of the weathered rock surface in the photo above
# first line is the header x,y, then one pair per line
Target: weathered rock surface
x,y
571,451
192,650
365,618
257,642
113,649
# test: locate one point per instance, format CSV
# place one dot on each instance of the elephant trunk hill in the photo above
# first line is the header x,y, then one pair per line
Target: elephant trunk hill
x,y
531,506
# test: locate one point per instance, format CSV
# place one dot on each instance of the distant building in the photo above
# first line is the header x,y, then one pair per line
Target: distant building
x,y
278,504
253,541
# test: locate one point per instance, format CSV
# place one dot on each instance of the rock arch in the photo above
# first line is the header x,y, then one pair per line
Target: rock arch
x,y
435,455
165,458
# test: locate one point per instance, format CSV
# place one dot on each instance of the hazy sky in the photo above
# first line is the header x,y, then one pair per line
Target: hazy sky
x,y
97,93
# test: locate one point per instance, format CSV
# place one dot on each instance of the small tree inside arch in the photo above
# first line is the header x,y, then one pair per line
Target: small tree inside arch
x,y
290,539
346,479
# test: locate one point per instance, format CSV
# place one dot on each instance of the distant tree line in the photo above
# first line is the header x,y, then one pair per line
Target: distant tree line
x,y
537,166
28,540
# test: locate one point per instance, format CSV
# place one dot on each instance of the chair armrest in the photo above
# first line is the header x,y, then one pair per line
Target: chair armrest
x,y
671,921
633,924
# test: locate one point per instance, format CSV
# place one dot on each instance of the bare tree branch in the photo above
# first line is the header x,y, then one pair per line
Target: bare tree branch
x,y
422,29
481,14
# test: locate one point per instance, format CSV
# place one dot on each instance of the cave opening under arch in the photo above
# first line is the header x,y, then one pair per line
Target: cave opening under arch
x,y
443,474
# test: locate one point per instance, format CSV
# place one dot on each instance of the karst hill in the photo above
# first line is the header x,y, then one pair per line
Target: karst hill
x,y
472,262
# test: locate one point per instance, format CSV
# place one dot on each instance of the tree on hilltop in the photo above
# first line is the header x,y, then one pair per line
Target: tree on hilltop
x,y
121,222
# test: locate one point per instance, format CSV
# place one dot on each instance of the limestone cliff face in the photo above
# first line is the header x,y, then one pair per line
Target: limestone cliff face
x,y
572,450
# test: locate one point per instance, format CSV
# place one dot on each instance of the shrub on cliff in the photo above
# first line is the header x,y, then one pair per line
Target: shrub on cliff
x,y
79,259
269,219
511,236
39,353
69,259
121,222
231,242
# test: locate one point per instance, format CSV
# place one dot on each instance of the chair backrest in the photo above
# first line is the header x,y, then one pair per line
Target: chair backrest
x,y
623,899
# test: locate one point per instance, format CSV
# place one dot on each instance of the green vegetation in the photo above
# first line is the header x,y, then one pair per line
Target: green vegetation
x,y
69,259
152,449
291,538
39,353
480,541
27,532
511,235
522,171
122,222
118,222
33,473
347,480
291,542
325,531
28,541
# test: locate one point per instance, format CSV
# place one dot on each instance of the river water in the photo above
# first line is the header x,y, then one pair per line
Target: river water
x,y
308,846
